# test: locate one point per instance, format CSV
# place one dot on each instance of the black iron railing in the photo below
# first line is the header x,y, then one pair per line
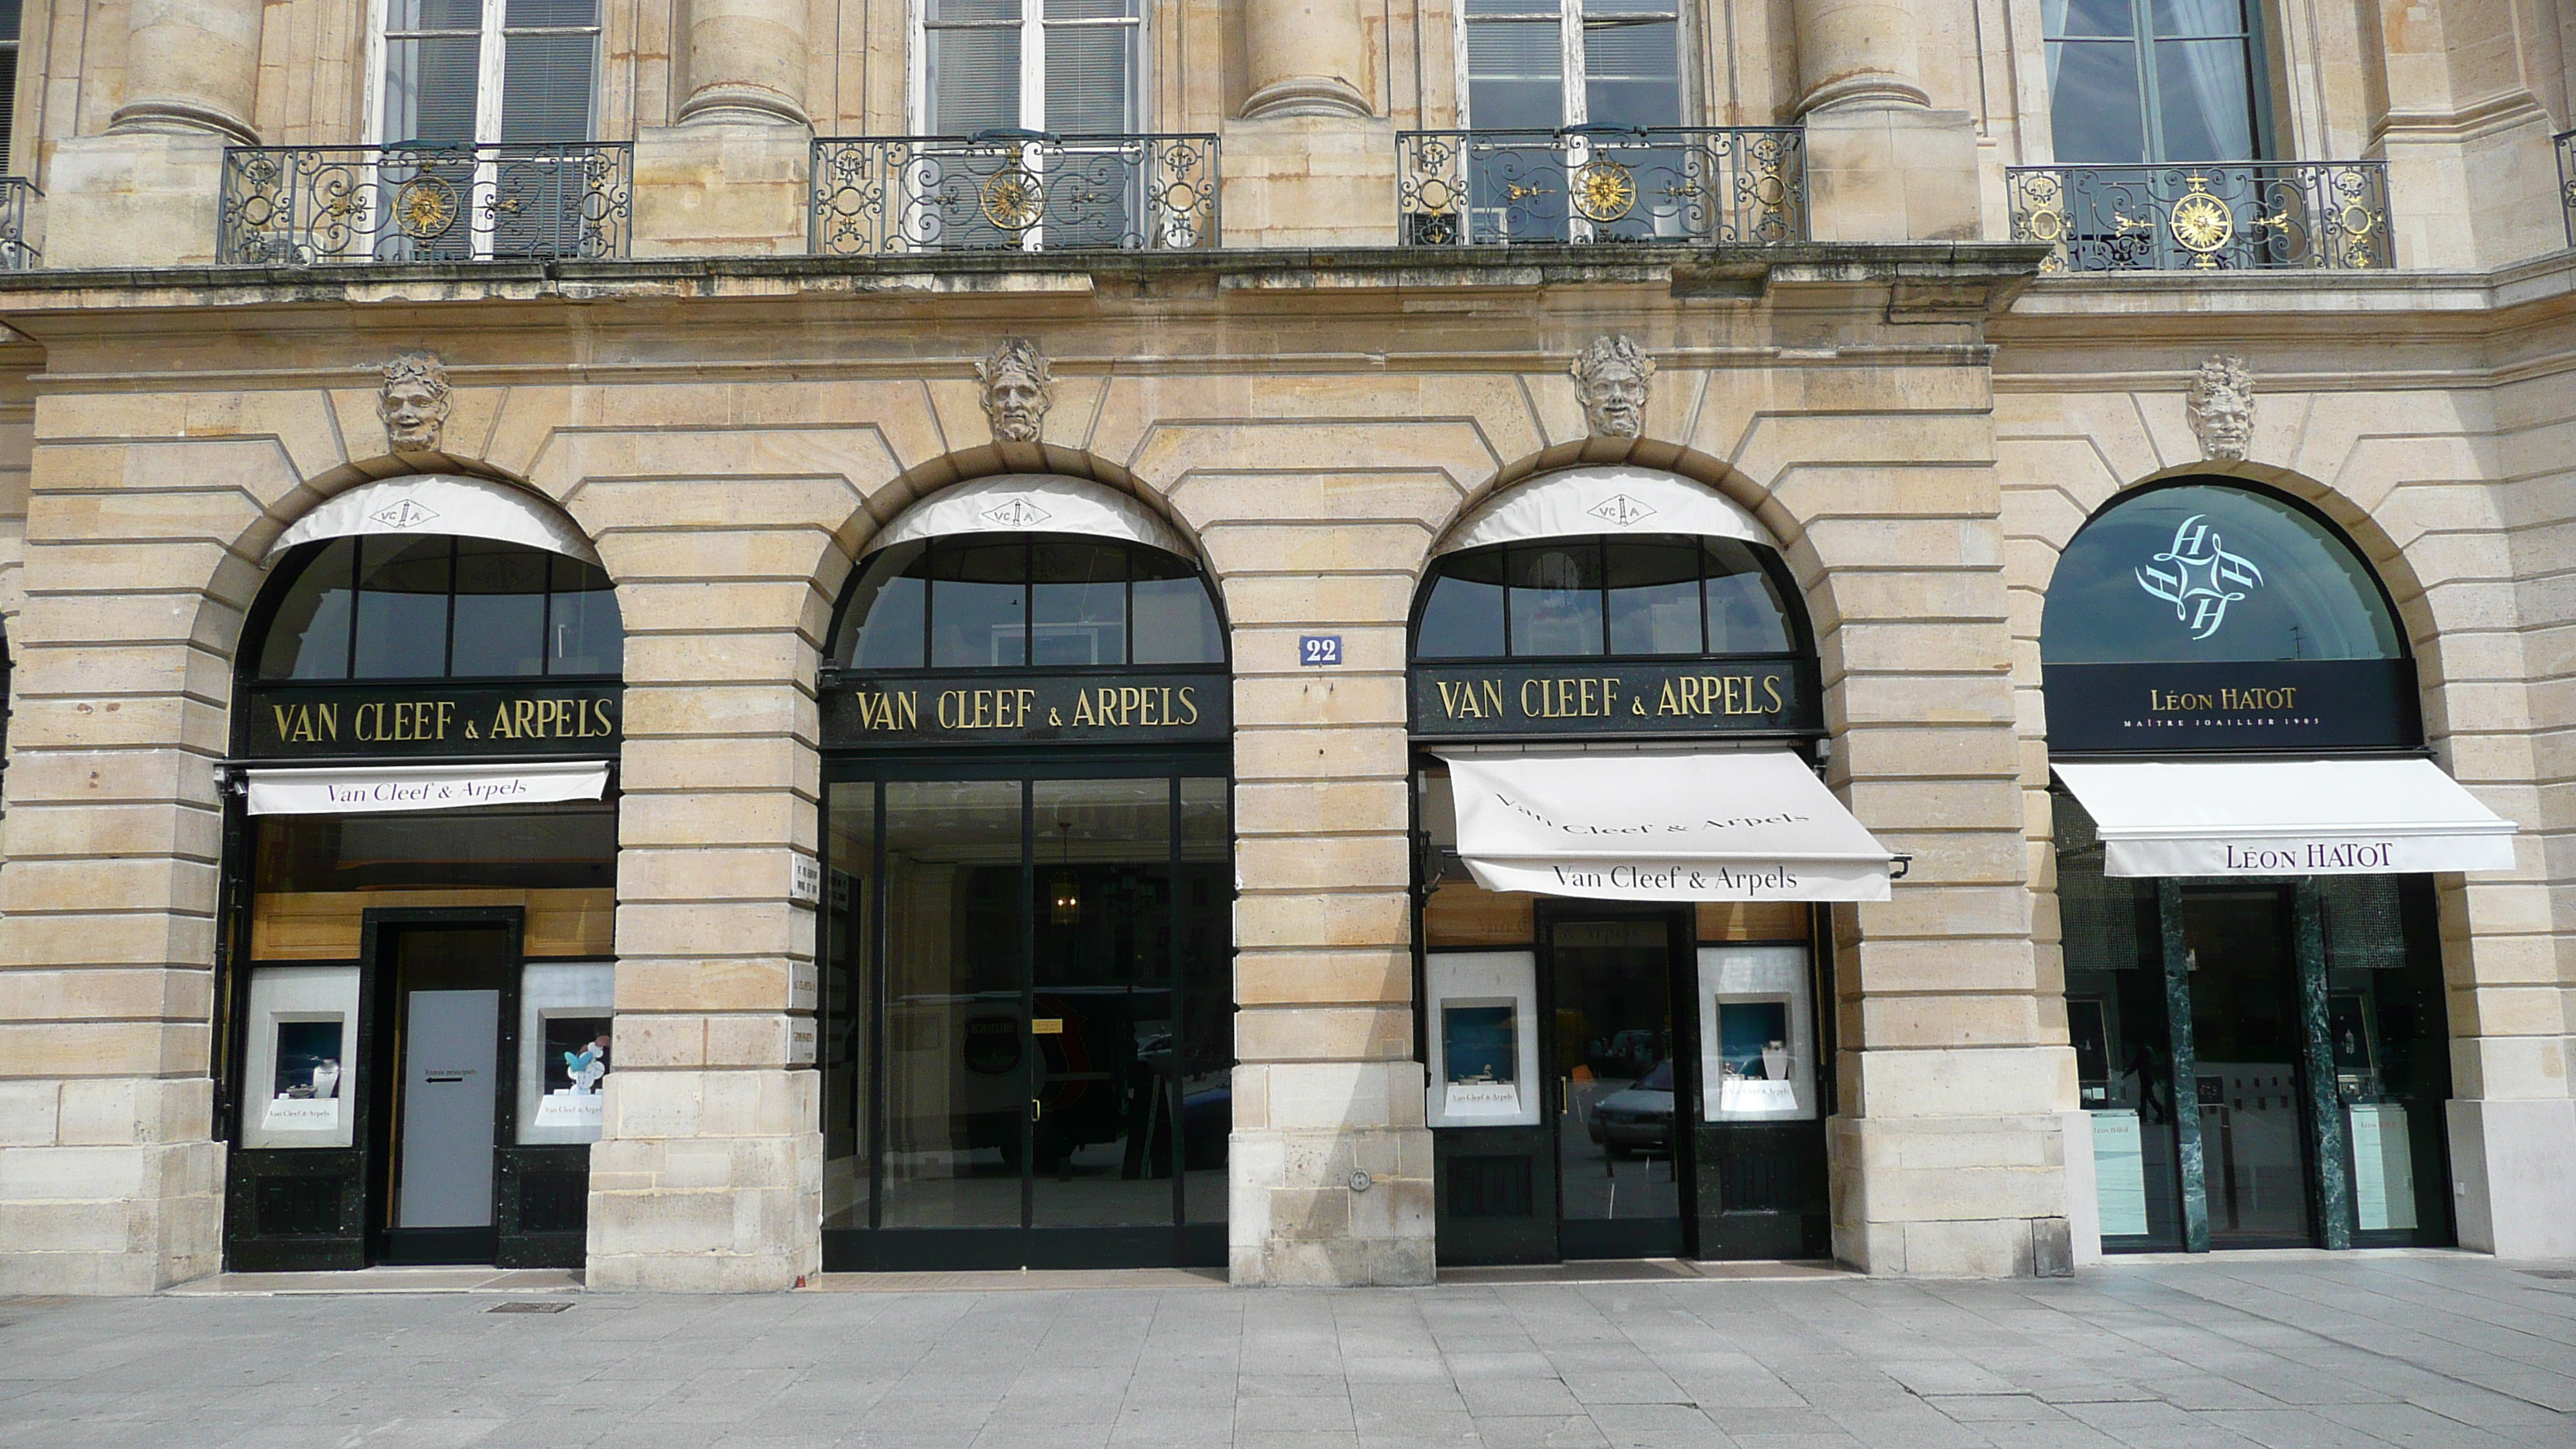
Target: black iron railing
x,y
2230,216
1013,190
1717,186
18,248
2567,181
301,206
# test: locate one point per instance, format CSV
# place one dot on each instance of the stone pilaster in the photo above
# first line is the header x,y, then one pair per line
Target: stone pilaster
x,y
1882,163
710,1175
110,1178
2471,167
1323,970
1953,1069
732,178
147,193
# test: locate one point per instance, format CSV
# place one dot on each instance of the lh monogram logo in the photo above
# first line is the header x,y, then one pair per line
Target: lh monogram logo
x,y
2199,577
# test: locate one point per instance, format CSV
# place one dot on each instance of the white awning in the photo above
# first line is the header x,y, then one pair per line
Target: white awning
x,y
433,503
382,789
1747,825
2287,817
1583,501
1033,503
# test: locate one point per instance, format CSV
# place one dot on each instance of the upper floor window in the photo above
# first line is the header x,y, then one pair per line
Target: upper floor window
x,y
1544,64
2134,81
1572,597
1066,66
486,72
10,12
393,606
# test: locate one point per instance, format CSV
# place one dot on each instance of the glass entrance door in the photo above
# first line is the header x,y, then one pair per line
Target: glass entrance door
x,y
444,1008
2249,1073
1027,1021
1624,1082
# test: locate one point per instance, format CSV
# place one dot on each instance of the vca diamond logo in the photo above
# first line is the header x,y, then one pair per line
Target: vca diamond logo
x,y
403,513
1621,511
2198,577
1016,513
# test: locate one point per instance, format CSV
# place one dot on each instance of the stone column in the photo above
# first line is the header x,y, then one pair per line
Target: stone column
x,y
1304,58
146,193
1309,162
1882,164
732,177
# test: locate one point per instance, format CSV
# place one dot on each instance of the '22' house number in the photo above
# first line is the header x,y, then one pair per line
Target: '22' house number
x,y
1319,649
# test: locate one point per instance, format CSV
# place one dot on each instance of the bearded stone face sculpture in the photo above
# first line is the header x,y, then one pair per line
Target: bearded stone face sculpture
x,y
2221,403
413,402
1018,390
1611,378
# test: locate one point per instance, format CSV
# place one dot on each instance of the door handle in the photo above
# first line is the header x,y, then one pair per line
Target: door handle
x,y
1565,1096
1037,1108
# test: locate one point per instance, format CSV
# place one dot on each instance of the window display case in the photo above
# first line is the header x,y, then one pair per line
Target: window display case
x,y
303,1056
1757,1033
565,1013
1483,1038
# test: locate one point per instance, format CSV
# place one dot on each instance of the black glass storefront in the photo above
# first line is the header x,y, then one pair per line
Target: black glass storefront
x,y
1026,1002
2263,1060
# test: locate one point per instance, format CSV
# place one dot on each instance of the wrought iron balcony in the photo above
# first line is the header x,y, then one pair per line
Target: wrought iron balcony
x,y
2567,181
18,248
1013,191
2222,216
302,206
1713,186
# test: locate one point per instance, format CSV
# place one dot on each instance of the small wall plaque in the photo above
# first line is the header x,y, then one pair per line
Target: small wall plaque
x,y
1319,650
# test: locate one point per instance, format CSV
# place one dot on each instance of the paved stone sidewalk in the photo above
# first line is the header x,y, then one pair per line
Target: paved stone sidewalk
x,y
2280,1350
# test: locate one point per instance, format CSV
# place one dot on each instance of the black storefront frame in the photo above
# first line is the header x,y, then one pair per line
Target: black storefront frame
x,y
2383,697
1799,728
355,1241
876,1248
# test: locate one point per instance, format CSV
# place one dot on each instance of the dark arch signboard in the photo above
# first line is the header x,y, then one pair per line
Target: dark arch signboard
x,y
2207,616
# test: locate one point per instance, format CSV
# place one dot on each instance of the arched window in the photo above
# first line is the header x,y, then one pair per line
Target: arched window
x,y
1560,598
2207,572
407,607
982,601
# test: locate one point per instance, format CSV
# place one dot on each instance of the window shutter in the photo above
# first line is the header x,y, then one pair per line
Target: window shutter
x,y
974,81
1087,80
545,89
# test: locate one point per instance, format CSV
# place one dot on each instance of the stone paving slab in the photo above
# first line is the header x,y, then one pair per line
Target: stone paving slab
x,y
2352,1351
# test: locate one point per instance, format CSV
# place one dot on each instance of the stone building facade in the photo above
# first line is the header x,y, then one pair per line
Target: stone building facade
x,y
1909,358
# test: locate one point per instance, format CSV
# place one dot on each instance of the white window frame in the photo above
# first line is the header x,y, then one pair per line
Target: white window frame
x,y
1574,96
1033,26
491,67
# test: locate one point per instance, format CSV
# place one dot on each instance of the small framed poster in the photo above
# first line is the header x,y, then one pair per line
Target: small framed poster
x,y
1757,1035
566,1029
302,1071
1483,1039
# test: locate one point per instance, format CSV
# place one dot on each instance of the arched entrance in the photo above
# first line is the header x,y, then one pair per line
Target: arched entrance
x,y
420,884
2248,825
1617,723
1026,1007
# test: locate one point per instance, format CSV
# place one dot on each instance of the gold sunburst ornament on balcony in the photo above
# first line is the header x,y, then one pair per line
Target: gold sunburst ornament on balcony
x,y
1013,198
2201,224
424,208
1603,191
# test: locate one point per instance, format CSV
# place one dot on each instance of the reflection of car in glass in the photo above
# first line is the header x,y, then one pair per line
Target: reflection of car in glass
x,y
1637,1117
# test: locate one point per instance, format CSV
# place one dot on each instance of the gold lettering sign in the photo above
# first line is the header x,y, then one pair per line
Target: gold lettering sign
x,y
2179,701
1581,697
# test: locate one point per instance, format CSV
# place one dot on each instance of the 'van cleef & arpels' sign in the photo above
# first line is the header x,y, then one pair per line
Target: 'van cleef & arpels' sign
x,y
2290,704
1693,697
432,718
990,707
